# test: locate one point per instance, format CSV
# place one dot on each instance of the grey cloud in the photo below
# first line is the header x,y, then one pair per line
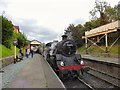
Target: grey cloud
x,y
3,3
33,30
79,21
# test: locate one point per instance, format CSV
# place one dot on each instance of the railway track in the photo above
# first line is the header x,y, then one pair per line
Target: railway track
x,y
105,73
97,82
89,82
115,81
76,83
89,86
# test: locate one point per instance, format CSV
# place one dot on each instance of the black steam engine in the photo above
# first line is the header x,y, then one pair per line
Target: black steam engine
x,y
64,60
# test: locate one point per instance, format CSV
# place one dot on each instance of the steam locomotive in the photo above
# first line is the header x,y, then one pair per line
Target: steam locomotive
x,y
63,59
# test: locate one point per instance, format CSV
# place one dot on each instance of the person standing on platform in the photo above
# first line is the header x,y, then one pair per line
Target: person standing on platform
x,y
20,51
31,51
28,52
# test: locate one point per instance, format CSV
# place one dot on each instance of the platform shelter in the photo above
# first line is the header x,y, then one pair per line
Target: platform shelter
x,y
34,45
95,36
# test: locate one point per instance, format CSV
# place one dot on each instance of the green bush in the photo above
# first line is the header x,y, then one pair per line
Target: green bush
x,y
7,32
21,39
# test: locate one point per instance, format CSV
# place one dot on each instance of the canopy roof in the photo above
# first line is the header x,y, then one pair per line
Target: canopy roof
x,y
108,28
35,42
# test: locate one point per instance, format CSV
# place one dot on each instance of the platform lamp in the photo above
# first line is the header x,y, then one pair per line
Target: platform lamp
x,y
15,43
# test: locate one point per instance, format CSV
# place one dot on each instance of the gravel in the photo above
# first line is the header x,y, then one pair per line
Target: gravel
x,y
11,71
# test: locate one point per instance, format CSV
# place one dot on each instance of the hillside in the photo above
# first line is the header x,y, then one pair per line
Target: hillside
x,y
7,52
114,50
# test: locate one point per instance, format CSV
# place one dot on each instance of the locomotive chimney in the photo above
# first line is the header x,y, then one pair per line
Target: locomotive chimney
x,y
64,37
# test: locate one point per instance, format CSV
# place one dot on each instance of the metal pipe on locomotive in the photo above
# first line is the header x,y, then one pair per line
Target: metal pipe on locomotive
x,y
64,60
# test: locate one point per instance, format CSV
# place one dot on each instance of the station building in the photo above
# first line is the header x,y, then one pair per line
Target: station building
x,y
16,29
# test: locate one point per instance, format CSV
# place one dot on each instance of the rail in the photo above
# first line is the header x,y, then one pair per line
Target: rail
x,y
89,86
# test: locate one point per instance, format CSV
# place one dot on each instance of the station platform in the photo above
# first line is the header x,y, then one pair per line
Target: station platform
x,y
35,74
101,58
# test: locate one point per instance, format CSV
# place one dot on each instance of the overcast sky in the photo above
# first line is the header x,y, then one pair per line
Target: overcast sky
x,y
45,20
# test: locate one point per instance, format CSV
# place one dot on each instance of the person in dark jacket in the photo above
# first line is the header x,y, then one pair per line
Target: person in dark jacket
x,y
31,51
20,51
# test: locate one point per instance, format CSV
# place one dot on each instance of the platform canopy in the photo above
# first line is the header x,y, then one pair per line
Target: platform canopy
x,y
95,35
108,28
35,42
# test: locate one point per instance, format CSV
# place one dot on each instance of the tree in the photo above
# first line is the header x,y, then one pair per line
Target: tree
x,y
0,29
8,35
107,13
100,8
21,38
7,32
76,33
111,13
118,10
92,24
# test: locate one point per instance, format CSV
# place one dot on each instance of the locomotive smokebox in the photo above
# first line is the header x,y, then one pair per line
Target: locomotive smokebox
x,y
66,47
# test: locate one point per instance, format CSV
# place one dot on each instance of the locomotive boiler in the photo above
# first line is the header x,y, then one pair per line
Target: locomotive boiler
x,y
65,61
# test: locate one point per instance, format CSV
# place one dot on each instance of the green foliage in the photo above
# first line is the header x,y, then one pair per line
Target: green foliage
x,y
5,52
81,49
92,24
94,49
107,13
7,32
118,10
0,29
99,8
76,33
8,36
111,14
21,38
115,49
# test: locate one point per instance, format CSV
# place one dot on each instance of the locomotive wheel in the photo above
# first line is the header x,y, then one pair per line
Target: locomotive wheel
x,y
64,75
75,73
80,73
48,58
61,76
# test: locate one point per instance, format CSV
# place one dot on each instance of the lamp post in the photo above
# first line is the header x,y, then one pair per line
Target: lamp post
x,y
3,12
15,43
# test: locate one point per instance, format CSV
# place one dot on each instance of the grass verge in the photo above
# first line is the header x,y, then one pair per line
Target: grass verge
x,y
114,50
5,52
